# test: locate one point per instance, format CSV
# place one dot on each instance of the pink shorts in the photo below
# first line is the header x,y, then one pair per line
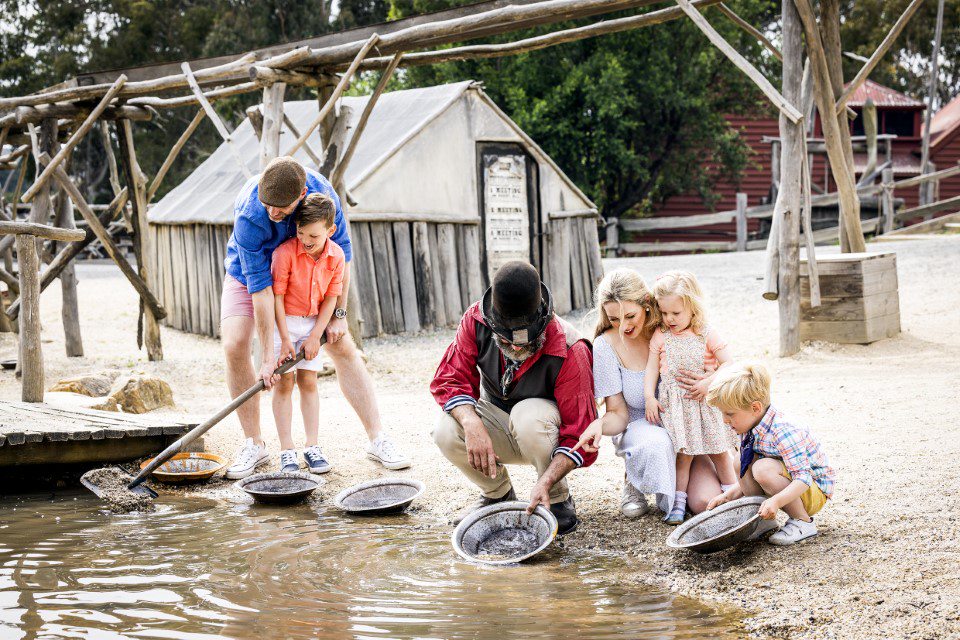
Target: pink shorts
x,y
235,300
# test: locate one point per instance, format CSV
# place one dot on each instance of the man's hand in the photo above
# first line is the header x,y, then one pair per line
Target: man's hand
x,y
480,452
287,352
268,376
336,329
590,439
540,495
695,384
311,347
769,508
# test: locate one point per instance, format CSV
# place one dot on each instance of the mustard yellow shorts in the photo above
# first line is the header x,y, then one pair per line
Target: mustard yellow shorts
x,y
813,498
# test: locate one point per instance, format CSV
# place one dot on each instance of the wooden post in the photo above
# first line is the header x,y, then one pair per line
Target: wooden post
x,y
69,310
791,159
928,188
886,201
255,116
31,356
137,186
612,239
272,122
741,222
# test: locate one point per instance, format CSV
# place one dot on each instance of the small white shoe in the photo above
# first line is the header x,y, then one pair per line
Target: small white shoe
x,y
765,527
793,532
384,451
250,456
633,504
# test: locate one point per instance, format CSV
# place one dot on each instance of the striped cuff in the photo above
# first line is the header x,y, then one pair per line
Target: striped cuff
x,y
573,455
456,401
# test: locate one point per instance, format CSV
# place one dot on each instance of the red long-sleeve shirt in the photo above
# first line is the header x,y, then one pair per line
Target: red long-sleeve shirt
x,y
457,379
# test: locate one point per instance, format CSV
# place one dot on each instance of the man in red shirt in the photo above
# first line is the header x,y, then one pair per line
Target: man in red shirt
x,y
516,387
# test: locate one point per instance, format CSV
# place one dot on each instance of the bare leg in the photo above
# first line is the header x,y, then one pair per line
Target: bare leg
x,y
356,383
767,473
723,464
683,471
237,338
704,484
309,405
283,409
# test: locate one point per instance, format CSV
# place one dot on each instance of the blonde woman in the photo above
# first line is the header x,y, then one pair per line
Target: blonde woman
x,y
627,319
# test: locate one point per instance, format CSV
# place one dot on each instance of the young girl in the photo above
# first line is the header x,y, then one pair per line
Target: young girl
x,y
684,344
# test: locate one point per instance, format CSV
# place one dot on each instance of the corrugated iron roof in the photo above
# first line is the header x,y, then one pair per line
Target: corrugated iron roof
x,y
945,121
882,96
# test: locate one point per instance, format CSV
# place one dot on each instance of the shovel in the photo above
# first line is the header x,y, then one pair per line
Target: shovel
x,y
178,446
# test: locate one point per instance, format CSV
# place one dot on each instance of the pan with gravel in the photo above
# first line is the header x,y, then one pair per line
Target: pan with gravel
x,y
379,497
719,528
503,533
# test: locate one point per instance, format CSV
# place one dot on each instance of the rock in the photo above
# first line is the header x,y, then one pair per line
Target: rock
x,y
94,385
138,394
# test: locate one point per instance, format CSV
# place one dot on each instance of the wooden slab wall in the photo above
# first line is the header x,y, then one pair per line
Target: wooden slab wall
x,y
363,273
859,299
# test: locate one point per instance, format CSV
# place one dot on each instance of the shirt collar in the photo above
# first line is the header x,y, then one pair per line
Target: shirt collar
x,y
766,422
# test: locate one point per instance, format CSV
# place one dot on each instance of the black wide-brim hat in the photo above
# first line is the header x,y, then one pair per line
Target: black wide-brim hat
x,y
522,330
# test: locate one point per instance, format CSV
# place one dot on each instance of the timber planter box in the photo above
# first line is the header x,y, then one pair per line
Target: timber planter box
x,y
859,301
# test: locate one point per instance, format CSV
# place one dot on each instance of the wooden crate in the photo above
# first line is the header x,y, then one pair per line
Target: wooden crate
x,y
859,299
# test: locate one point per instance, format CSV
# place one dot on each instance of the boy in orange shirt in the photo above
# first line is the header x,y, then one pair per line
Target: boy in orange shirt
x,y
307,279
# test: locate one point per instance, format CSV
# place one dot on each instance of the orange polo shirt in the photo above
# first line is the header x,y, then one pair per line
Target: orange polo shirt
x,y
305,282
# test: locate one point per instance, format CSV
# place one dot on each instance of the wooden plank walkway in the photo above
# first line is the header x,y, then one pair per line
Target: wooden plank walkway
x,y
23,423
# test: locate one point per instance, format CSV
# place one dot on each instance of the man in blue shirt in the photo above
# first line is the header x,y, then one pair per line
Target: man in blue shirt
x,y
264,217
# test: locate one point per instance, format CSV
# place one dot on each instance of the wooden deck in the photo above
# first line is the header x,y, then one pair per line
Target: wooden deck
x,y
35,433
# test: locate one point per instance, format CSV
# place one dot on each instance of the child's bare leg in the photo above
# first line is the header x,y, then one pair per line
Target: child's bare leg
x,y
683,471
283,409
766,472
309,405
724,466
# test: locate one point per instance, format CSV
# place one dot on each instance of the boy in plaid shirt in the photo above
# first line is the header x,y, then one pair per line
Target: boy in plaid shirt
x,y
778,459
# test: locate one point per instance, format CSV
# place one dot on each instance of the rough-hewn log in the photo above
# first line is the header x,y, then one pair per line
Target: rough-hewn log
x,y
870,132
336,143
931,93
70,112
813,270
41,231
74,140
881,51
749,28
192,99
31,355
69,307
341,169
111,157
255,116
268,76
215,118
337,92
916,180
174,152
19,152
784,105
272,121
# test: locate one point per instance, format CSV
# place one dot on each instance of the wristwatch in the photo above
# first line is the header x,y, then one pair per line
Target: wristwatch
x,y
340,313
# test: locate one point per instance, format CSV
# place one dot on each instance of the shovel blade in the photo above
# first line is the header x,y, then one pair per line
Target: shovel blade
x,y
87,481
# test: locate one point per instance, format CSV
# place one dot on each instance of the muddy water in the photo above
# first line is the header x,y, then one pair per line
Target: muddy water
x,y
198,569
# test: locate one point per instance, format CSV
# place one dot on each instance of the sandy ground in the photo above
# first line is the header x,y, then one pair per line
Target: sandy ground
x,y
887,562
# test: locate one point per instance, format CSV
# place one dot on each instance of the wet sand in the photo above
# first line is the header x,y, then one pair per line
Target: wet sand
x,y
887,562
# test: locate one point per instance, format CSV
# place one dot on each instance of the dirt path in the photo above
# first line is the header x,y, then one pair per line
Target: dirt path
x,y
887,562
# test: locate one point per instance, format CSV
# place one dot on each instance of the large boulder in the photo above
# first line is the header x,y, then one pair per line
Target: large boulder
x,y
138,394
94,385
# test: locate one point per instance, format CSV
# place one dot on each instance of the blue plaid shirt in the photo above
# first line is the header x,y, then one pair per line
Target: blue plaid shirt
x,y
255,235
800,451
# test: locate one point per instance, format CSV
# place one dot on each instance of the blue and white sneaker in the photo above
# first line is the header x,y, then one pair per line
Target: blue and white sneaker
x,y
316,462
289,462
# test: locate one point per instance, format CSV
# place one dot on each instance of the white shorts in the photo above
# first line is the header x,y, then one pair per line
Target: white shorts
x,y
299,328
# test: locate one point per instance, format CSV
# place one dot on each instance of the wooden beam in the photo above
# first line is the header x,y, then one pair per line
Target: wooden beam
x,y
255,116
31,354
272,123
41,231
931,91
215,118
912,182
950,204
19,152
74,139
71,112
267,76
341,169
174,152
741,63
806,183
881,51
111,248
111,157
337,92
69,301
192,100
749,28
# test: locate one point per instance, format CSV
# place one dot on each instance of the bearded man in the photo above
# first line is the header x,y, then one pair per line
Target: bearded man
x,y
516,387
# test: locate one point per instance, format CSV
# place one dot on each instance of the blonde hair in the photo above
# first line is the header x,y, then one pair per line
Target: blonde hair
x,y
684,285
625,285
737,385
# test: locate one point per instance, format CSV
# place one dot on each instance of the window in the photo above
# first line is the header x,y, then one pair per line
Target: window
x,y
900,123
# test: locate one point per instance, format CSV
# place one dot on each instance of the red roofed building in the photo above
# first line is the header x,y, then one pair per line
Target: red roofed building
x,y
945,145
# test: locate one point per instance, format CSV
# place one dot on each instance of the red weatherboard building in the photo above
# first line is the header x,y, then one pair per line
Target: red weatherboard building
x,y
897,115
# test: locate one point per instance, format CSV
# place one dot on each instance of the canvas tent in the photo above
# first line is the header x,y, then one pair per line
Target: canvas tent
x,y
446,188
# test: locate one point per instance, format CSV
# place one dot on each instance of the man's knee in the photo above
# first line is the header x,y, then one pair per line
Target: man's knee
x,y
343,349
535,421
447,433
236,339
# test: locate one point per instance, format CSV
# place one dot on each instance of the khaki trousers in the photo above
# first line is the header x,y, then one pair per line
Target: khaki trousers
x,y
527,435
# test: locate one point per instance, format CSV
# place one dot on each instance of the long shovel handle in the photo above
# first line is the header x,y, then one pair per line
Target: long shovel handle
x,y
201,429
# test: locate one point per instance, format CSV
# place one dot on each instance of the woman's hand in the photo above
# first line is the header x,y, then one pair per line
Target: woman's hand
x,y
718,500
653,410
287,352
695,384
590,439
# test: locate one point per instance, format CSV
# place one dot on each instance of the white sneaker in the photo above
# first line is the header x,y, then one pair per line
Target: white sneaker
x,y
793,532
384,451
633,504
250,456
765,527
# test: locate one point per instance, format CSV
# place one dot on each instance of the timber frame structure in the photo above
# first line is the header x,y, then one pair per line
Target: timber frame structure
x,y
48,125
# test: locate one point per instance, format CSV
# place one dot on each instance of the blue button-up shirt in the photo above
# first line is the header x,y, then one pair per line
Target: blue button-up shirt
x,y
255,235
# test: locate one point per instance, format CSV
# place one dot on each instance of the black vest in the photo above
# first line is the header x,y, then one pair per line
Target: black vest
x,y
537,382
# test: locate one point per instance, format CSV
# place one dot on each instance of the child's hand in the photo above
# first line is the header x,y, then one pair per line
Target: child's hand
x,y
653,411
287,352
717,501
768,509
311,347
590,440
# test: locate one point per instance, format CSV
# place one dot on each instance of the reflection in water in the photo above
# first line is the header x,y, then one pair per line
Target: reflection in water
x,y
198,569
